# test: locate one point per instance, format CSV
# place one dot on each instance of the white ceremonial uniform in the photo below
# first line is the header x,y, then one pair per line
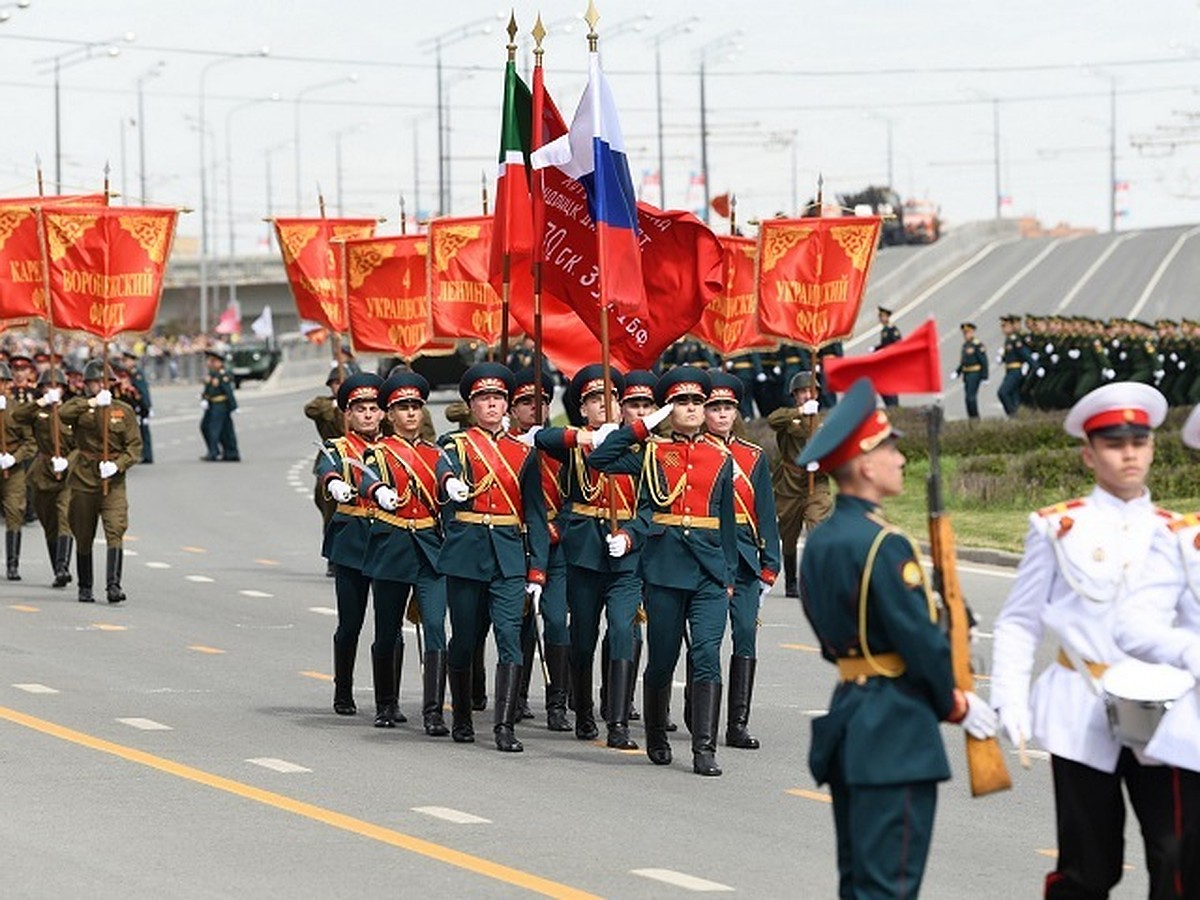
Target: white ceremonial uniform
x,y
1160,623
1080,558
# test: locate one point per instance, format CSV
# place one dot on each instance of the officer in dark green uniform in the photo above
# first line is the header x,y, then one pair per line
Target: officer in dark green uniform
x,y
972,367
97,478
327,418
690,555
17,447
138,379
879,747
219,404
888,334
1015,357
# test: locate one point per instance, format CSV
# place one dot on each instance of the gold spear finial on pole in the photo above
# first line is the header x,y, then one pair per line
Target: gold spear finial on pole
x,y
592,17
539,34
512,36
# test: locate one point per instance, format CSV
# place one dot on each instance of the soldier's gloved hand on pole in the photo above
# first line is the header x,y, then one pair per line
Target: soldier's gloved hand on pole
x,y
810,408
980,720
954,375
108,468
3,401
505,423
760,377
49,396
534,590
340,491
7,460
527,437
456,489
204,405
658,416
1016,722
58,464
103,397
603,431
618,544
387,498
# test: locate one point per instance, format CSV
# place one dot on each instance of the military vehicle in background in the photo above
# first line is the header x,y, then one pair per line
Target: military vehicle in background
x,y
907,222
922,221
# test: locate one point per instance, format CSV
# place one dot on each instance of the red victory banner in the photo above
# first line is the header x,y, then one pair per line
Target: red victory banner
x,y
22,286
387,296
911,365
811,276
729,324
105,266
314,266
465,305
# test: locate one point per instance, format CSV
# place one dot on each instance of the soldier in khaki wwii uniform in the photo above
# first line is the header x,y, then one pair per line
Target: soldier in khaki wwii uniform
x,y
109,442
48,472
16,447
802,498
866,597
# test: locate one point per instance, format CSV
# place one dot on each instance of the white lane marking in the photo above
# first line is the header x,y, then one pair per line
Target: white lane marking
x,y
1021,273
1032,754
1158,273
679,684
458,817
255,594
813,712
323,610
996,572
129,552
199,579
158,565
35,688
145,724
278,765
301,490
1091,270
681,880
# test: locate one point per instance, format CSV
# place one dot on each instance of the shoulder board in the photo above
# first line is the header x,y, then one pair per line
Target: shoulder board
x,y
1166,514
1182,523
879,520
1058,508
750,444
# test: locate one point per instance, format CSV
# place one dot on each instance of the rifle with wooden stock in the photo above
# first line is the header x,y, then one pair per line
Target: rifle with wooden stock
x,y
985,759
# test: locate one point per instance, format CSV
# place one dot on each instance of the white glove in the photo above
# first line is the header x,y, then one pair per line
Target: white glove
x,y
534,590
3,401
1049,348
108,468
954,375
760,377
340,491
505,422
602,432
456,489
204,404
527,437
1182,365
980,722
103,397
763,590
810,408
1016,722
659,415
387,498
1073,353
618,545
49,396
58,464
7,460
1191,660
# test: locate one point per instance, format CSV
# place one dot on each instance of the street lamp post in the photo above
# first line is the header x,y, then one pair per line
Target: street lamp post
x,y
716,44
1112,153
678,28
352,78
153,72
337,159
889,123
267,154
273,98
996,154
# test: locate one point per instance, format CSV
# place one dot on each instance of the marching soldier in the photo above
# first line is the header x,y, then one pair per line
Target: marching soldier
x,y
496,547
347,541
879,747
108,442
972,367
138,379
1015,357
219,403
329,422
405,544
802,498
1081,556
689,559
758,551
888,334
17,447
47,473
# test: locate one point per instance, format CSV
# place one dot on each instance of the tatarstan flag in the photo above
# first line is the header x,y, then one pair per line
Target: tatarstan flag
x,y
512,220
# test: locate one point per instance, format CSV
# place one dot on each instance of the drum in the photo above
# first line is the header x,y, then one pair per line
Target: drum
x,y
1138,694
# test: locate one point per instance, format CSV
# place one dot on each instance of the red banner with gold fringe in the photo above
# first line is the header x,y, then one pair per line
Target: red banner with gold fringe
x,y
314,265
729,324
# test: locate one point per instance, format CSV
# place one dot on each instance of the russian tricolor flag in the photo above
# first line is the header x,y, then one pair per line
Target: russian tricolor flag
x,y
593,153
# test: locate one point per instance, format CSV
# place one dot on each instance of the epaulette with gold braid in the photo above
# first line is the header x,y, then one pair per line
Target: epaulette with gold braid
x,y
1062,507
1184,522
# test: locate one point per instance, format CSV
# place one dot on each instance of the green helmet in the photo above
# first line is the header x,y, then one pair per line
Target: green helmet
x,y
5,372
93,371
800,381
50,376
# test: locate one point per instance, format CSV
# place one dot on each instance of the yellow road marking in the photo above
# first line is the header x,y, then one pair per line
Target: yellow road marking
x,y
819,796
805,647
21,607
448,855
320,676
130,537
267,562
193,549
105,626
604,744
200,648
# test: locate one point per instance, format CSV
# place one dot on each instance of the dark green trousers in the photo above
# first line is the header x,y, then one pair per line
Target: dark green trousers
x,y
614,595
743,617
705,611
471,603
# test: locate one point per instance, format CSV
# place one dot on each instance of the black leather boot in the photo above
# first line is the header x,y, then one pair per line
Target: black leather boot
x,y
479,678
398,659
604,659
558,661
463,730
585,716
83,568
634,715
114,563
343,677
741,687
12,554
434,694
62,560
508,685
687,693
706,711
383,669
528,640
791,587
656,702
620,674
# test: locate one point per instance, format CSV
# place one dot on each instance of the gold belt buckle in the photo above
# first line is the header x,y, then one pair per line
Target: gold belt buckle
x,y
687,521
487,519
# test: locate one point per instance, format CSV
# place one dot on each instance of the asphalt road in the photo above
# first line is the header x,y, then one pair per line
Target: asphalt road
x,y
183,744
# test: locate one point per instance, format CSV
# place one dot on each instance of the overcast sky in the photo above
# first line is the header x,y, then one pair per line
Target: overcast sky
x,y
807,88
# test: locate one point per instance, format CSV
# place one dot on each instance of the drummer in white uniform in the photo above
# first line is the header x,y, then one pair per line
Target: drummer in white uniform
x,y
1081,556
1160,623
